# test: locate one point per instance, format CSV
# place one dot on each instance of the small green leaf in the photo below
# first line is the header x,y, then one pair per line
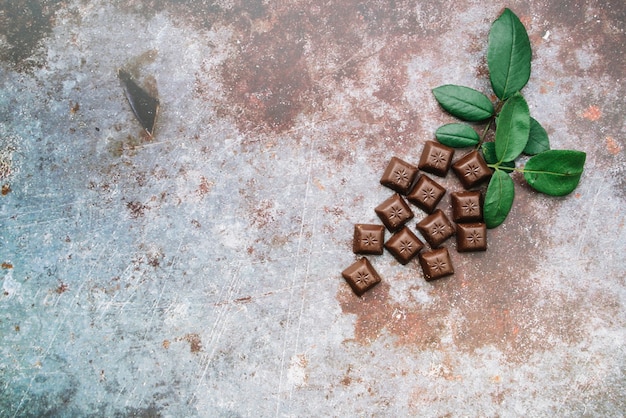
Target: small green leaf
x,y
463,102
489,153
508,55
457,135
537,139
555,172
498,199
513,128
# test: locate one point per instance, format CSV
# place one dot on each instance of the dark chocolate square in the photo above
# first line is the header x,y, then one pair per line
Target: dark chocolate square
x,y
472,170
436,158
426,194
368,239
394,212
361,276
436,228
471,237
436,264
467,206
404,245
399,175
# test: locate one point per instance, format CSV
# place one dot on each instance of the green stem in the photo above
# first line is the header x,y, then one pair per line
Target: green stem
x,y
497,108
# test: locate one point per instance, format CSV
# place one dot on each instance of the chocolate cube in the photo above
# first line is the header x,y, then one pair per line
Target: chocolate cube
x,y
436,158
436,228
471,237
361,276
472,170
399,175
394,212
404,245
436,264
426,194
467,206
368,239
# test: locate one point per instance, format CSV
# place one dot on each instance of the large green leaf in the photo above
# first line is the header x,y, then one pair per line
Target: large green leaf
x,y
537,139
512,129
498,199
489,154
457,135
555,172
508,55
463,102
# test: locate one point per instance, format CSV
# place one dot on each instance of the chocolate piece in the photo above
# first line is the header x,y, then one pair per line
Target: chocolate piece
x,y
361,276
471,237
399,175
436,158
436,264
467,206
471,170
394,212
404,245
368,239
426,194
436,228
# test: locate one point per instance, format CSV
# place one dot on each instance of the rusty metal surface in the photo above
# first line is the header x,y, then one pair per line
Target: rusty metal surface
x,y
198,273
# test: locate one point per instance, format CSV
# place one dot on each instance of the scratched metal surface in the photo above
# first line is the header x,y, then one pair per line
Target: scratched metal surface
x,y
198,273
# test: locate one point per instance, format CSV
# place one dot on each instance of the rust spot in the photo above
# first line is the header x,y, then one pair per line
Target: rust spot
x,y
205,187
62,288
6,189
195,344
136,209
166,344
613,146
592,113
268,80
6,265
74,107
245,299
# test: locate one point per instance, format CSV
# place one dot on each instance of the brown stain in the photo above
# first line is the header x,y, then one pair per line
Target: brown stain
x,y
136,209
61,288
7,265
195,344
612,146
592,113
6,189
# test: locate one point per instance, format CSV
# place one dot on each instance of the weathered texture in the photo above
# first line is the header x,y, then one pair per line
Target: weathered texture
x,y
198,273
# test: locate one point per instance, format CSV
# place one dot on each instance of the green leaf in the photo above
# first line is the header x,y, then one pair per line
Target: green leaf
x,y
513,128
489,153
463,102
508,55
457,135
537,139
555,172
498,199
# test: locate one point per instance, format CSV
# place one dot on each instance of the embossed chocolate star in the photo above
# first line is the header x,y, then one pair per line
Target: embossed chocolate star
x,y
471,237
399,175
368,239
436,228
404,245
471,170
361,276
467,206
426,194
394,212
436,264
436,158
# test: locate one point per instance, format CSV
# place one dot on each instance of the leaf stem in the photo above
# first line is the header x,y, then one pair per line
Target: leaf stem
x,y
483,136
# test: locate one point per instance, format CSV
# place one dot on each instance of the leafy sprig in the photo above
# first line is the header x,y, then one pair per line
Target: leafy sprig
x,y
553,172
